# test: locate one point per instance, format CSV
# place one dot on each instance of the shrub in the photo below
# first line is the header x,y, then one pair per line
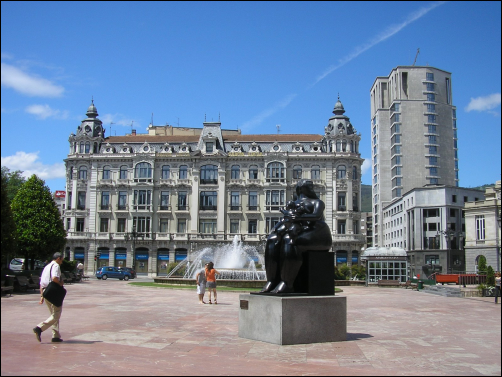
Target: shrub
x,y
482,268
490,276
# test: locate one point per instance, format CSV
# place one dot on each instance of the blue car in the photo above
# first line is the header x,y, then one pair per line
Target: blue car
x,y
112,272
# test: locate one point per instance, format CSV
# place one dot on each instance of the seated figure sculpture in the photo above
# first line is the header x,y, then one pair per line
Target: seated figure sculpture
x,y
301,230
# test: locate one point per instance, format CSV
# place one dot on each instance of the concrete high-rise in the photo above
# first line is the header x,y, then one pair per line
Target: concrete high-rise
x,y
414,135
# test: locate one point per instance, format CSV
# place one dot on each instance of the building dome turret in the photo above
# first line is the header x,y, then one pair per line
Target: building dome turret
x,y
338,109
92,112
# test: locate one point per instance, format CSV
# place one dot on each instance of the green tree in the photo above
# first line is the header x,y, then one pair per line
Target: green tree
x,y
14,180
482,268
8,227
40,230
490,276
358,271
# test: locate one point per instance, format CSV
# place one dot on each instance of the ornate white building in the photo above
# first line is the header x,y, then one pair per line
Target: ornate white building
x,y
145,200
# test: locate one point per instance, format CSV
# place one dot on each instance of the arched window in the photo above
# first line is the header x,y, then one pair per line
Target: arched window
x,y
183,172
297,172
338,146
123,172
352,146
354,172
81,147
166,172
209,174
82,172
143,170
87,147
253,172
341,172
344,145
106,172
235,172
275,171
315,172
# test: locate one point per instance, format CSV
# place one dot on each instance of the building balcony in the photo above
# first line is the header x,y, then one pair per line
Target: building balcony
x,y
167,182
233,208
164,208
237,182
184,182
182,208
253,208
255,182
354,238
122,207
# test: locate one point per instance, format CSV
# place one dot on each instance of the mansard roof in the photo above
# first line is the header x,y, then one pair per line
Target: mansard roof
x,y
227,138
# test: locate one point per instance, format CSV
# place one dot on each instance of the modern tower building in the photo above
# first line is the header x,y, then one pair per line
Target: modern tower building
x,y
414,136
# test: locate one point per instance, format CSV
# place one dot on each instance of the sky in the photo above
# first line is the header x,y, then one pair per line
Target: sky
x,y
252,65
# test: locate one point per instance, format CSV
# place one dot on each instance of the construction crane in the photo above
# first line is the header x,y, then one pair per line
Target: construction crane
x,y
416,56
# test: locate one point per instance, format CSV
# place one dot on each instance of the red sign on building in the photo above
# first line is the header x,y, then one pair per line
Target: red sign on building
x,y
60,194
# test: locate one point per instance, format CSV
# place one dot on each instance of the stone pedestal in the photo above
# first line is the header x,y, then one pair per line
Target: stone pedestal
x,y
293,320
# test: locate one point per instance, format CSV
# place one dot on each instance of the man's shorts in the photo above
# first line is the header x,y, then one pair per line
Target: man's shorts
x,y
201,289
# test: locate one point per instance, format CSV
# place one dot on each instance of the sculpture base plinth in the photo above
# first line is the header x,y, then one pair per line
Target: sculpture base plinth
x,y
293,320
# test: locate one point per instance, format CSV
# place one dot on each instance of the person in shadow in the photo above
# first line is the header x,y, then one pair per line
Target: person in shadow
x,y
302,229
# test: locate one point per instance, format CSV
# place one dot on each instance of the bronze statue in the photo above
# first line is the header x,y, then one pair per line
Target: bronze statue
x,y
302,229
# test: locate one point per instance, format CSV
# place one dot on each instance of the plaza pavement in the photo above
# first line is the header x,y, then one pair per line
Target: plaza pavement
x,y
114,328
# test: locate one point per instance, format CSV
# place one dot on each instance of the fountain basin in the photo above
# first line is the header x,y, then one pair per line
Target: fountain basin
x,y
234,283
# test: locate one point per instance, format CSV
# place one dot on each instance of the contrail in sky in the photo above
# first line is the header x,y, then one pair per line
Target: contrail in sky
x,y
389,32
266,113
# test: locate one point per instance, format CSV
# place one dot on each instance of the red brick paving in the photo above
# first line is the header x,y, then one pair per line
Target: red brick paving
x,y
113,328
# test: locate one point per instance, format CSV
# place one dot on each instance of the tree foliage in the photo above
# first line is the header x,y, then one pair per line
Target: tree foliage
x,y
13,180
8,226
482,265
40,229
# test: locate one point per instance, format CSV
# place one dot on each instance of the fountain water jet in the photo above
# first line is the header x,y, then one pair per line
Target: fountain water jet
x,y
234,261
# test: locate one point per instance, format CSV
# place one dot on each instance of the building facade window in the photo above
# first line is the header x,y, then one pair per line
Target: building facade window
x,y
121,225
103,227
183,172
164,200
235,201
275,199
341,201
82,172
234,226
208,200
341,172
80,224
164,225
142,224
275,172
207,226
253,227
253,172
253,200
297,172
341,226
166,172
105,200
106,172
122,204
143,170
182,200
182,225
81,200
315,172
142,199
209,174
123,172
480,227
209,147
235,172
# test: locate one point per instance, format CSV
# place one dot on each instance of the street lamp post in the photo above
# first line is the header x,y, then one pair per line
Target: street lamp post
x,y
132,236
449,234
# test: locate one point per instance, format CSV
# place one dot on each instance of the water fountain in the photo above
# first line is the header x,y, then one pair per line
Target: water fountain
x,y
234,261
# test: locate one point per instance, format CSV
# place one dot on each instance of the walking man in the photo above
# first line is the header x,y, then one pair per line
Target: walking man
x,y
51,272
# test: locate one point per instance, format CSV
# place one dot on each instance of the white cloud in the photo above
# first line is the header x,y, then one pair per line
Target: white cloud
x,y
15,78
484,103
366,166
44,111
387,33
266,113
29,164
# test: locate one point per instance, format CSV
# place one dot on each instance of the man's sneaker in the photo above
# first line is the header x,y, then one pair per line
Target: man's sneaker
x,y
38,333
56,340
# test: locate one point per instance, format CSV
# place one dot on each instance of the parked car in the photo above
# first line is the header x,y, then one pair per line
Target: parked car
x,y
130,270
112,272
18,264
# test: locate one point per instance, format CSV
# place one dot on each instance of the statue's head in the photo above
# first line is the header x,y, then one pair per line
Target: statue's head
x,y
306,187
